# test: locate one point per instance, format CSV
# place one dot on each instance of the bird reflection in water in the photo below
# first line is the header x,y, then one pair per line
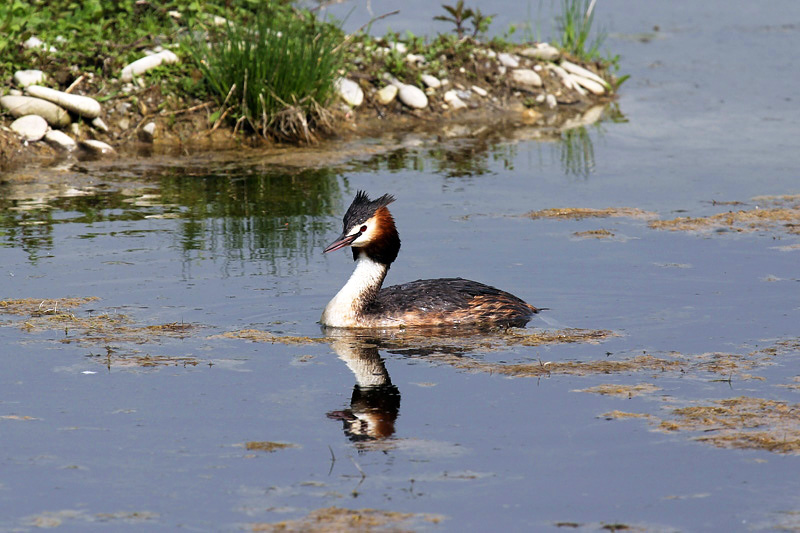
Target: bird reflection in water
x,y
375,403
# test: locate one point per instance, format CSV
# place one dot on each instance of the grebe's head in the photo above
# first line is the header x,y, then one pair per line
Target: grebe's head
x,y
369,225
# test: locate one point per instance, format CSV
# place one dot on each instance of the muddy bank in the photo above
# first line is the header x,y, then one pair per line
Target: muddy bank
x,y
480,91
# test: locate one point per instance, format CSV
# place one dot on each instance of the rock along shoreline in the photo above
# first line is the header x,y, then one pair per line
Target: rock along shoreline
x,y
535,85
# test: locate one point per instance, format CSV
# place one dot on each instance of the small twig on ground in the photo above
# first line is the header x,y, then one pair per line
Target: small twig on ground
x,y
187,110
219,121
74,84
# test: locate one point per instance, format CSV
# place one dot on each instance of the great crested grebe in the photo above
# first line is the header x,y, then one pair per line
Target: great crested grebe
x,y
369,229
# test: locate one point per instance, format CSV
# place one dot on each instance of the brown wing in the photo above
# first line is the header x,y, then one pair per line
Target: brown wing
x,y
452,301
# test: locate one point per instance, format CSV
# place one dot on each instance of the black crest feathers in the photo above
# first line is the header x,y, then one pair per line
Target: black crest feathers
x,y
363,208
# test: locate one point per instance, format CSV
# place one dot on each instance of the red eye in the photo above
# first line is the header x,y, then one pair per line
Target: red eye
x,y
363,229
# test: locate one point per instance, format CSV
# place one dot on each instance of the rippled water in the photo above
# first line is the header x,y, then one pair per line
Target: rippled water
x,y
109,424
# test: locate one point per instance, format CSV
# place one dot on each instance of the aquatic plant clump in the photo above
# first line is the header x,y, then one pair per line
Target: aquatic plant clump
x,y
575,24
277,73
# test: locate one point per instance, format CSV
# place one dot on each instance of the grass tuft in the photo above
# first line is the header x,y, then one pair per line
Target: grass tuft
x,y
275,74
575,25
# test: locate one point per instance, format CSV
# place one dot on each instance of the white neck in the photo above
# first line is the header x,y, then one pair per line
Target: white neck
x,y
345,309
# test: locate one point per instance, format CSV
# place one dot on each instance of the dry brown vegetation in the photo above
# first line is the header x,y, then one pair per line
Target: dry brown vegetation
x,y
336,519
268,446
578,213
594,234
741,422
777,212
105,331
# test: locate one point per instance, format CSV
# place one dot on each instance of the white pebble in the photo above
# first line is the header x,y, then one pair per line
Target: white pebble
x,y
142,65
400,48
543,51
452,99
60,139
148,132
431,81
30,127
386,95
525,76
81,105
23,78
591,85
95,147
19,106
508,60
350,92
479,91
98,124
35,42
572,68
563,74
413,97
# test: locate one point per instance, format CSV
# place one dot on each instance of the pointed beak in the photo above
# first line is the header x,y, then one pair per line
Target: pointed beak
x,y
341,242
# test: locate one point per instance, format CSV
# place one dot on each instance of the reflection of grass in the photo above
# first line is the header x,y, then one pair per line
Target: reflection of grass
x,y
267,216
577,152
236,209
467,158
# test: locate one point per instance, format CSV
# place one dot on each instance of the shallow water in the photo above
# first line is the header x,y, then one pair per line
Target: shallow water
x,y
98,431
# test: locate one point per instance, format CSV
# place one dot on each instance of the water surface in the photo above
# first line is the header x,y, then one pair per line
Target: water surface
x,y
107,424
